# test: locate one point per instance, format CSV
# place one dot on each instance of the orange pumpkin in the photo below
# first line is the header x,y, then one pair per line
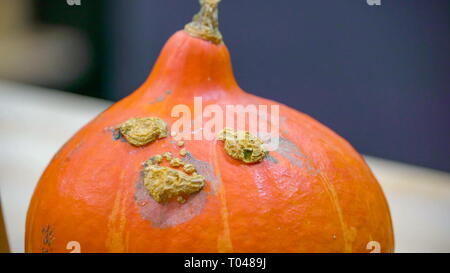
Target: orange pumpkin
x,y
314,194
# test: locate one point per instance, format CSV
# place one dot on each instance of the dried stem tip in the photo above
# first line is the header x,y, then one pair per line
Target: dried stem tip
x,y
205,24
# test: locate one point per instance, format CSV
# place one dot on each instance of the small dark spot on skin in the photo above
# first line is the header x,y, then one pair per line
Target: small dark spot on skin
x,y
248,154
116,135
162,97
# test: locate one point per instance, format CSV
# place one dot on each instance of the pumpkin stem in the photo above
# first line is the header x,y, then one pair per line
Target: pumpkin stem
x,y
205,24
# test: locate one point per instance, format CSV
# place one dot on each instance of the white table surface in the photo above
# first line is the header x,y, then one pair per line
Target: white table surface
x,y
419,198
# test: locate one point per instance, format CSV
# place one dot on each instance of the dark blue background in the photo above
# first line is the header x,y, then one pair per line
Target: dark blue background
x,y
377,75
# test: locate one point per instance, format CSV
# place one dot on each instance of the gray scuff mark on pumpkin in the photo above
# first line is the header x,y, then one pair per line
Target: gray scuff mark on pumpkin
x,y
283,126
170,214
116,135
203,168
282,121
271,158
162,97
289,150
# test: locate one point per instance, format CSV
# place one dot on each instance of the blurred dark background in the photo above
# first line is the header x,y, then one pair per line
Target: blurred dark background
x,y
377,75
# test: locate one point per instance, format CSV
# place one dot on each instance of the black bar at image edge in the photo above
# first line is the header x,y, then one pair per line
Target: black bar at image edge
x,y
225,262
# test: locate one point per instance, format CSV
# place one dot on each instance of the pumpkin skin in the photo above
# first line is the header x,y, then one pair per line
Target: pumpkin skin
x,y
90,191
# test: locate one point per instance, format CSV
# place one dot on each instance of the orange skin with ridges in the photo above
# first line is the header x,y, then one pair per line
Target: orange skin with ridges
x,y
88,192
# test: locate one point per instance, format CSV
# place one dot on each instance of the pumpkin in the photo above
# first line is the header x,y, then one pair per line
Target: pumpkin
x,y
125,183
